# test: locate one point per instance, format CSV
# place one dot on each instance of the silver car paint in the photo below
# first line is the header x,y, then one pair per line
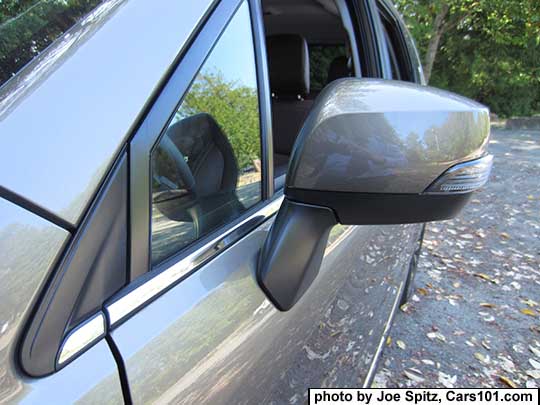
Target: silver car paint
x,y
380,136
28,248
62,123
243,348
215,338
90,379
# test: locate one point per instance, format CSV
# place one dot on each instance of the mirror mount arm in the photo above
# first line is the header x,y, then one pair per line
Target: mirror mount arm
x,y
293,251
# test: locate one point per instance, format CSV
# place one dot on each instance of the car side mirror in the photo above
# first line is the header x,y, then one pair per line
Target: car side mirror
x,y
372,152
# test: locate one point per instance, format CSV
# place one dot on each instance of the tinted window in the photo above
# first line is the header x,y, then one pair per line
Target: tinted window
x,y
206,167
396,74
27,27
397,49
321,58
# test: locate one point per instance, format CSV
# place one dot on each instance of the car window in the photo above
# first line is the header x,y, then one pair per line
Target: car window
x,y
396,75
28,27
206,168
321,58
398,54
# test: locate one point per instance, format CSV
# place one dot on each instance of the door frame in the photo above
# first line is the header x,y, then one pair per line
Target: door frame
x,y
145,283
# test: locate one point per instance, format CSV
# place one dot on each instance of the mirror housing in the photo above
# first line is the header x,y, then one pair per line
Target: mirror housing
x,y
372,149
372,152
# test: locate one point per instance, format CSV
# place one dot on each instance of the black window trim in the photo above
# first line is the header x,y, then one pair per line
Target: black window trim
x,y
366,24
401,49
155,123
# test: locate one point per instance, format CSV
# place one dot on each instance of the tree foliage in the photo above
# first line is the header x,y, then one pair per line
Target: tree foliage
x,y
235,108
488,50
27,27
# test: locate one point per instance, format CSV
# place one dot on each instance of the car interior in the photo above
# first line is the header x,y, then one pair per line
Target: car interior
x,y
309,45
195,171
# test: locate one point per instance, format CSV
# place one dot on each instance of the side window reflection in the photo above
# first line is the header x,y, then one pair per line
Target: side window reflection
x,y
206,166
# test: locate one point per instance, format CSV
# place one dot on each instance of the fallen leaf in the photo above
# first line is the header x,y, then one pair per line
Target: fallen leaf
x,y
504,235
529,302
518,348
486,345
436,335
507,381
422,291
456,285
489,319
401,344
527,311
497,252
413,376
487,305
535,351
428,362
315,356
446,380
507,364
388,341
481,358
535,364
533,374
404,307
485,277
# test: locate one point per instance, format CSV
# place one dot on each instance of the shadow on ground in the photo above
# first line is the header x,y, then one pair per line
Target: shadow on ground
x,y
474,318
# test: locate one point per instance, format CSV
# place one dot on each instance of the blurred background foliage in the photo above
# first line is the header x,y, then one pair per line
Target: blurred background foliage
x,y
27,27
488,50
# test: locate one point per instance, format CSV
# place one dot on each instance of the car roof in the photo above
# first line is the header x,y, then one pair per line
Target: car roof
x,y
67,114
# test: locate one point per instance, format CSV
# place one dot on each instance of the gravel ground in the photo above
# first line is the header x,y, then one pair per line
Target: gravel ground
x,y
474,318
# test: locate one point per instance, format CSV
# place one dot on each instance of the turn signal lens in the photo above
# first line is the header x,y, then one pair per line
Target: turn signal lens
x,y
463,177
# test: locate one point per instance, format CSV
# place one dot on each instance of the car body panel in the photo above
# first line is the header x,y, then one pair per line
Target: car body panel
x,y
90,379
215,338
28,248
64,123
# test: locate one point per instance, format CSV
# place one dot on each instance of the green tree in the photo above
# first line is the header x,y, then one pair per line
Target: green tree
x,y
486,49
235,108
27,27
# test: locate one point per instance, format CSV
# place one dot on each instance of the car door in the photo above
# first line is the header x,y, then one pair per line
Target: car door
x,y
193,325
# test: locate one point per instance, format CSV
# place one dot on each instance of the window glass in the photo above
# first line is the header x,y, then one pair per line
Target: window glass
x,y
321,58
396,75
395,44
206,168
27,27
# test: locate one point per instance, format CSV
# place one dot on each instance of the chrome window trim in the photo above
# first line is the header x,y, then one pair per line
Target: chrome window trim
x,y
79,339
127,304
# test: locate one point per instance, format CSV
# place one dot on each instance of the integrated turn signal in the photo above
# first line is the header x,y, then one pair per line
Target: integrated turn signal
x,y
463,177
